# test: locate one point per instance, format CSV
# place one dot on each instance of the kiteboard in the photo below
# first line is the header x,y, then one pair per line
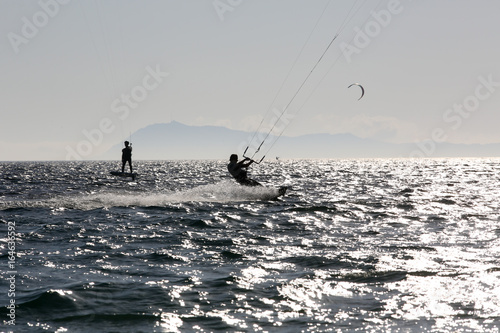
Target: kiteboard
x,y
124,174
281,192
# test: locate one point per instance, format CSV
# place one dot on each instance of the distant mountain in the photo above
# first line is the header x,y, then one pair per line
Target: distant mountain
x,y
178,141
174,140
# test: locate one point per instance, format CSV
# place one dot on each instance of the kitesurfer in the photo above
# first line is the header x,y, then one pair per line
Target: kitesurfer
x,y
127,156
239,170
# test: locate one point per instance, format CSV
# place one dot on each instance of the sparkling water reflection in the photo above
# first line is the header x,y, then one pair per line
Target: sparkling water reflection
x,y
355,245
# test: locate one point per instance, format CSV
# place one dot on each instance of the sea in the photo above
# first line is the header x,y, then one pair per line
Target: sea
x,y
355,245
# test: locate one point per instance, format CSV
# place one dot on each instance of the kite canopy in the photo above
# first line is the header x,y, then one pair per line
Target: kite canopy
x,y
362,89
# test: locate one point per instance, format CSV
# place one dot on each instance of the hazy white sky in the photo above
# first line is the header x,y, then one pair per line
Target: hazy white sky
x,y
80,76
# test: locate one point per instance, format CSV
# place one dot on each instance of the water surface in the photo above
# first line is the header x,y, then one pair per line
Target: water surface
x,y
355,245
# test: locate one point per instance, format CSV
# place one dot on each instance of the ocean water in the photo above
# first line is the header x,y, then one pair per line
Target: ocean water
x,y
383,245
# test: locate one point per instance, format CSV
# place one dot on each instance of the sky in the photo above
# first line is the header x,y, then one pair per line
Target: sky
x,y
79,76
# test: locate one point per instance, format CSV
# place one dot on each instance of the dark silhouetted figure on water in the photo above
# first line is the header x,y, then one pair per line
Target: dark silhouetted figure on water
x,y
127,156
239,170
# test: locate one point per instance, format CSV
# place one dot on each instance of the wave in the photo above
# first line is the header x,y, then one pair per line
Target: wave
x,y
93,305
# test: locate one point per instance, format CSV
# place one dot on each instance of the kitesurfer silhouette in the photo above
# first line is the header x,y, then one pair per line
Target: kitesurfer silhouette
x,y
127,156
239,170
